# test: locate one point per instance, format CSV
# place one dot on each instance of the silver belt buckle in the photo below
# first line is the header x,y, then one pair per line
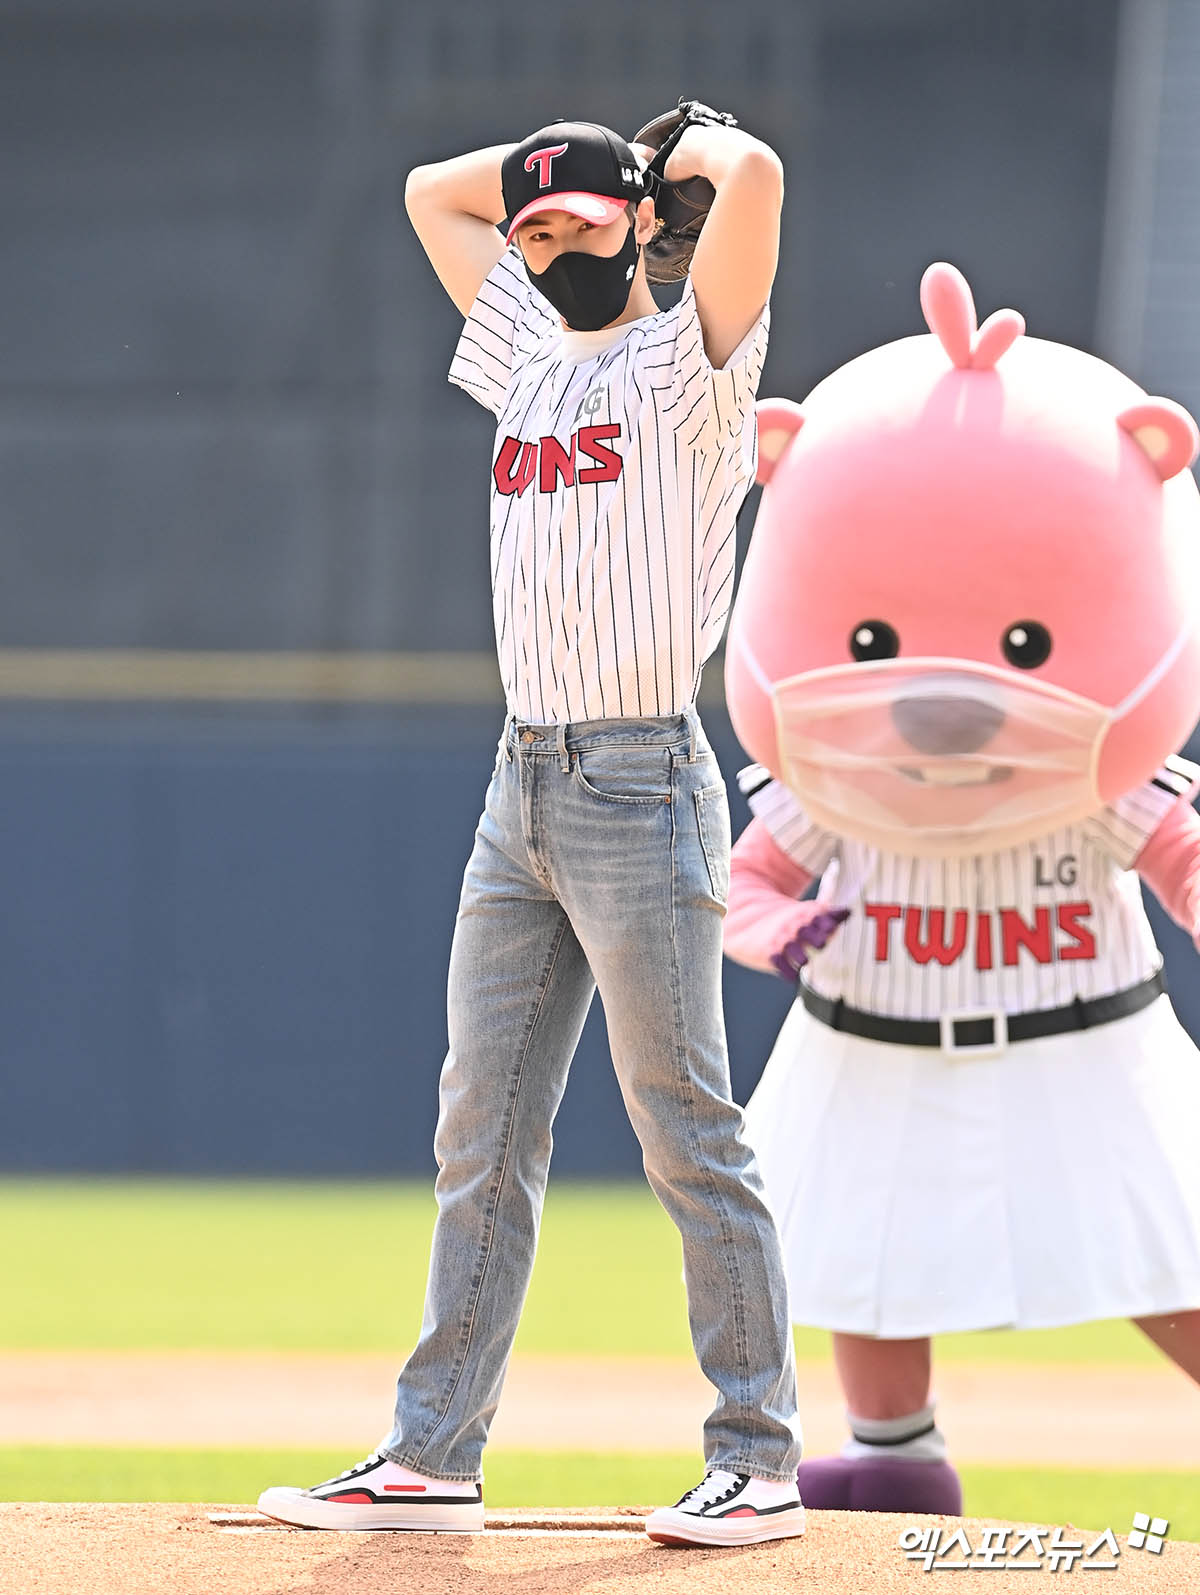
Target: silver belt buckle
x,y
974,1049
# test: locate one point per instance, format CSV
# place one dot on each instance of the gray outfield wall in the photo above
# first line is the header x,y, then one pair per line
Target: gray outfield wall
x,y
224,419
225,939
227,936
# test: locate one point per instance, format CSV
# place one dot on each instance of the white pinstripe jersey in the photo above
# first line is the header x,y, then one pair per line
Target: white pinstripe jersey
x,y
621,460
1026,928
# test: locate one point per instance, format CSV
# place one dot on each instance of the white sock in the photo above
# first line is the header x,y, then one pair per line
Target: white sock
x,y
396,1473
771,1492
914,1437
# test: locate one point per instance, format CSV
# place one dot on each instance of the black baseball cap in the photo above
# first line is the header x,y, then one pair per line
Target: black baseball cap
x,y
579,167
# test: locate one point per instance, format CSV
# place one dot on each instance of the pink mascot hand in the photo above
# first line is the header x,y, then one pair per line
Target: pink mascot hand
x,y
1170,865
810,938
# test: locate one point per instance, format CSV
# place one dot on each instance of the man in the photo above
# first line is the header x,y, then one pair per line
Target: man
x,y
624,447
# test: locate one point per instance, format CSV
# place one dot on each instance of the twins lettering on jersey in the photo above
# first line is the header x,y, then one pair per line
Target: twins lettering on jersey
x,y
518,463
985,937
989,937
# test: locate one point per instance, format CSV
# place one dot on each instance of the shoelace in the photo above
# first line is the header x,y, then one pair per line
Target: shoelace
x,y
714,1487
375,1456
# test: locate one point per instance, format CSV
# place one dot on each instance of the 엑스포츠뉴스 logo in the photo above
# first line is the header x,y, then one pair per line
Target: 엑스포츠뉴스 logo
x,y
542,159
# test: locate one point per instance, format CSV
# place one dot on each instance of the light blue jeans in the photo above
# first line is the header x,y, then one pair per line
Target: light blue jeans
x,y
601,859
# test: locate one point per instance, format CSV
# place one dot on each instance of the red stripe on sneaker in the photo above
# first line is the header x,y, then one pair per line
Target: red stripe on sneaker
x,y
403,1488
352,1498
741,1511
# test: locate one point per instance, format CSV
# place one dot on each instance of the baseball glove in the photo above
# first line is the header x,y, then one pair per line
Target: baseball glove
x,y
680,209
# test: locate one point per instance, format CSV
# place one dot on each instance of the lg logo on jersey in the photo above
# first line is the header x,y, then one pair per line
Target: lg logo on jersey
x,y
591,403
1065,870
518,463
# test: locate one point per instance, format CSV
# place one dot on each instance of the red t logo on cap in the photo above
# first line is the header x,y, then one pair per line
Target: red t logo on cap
x,y
541,159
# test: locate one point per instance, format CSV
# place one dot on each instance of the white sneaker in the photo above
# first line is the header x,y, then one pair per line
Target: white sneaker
x,y
379,1494
730,1509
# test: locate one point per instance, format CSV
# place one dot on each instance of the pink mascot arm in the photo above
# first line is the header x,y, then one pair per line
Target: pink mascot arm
x,y
763,915
1170,866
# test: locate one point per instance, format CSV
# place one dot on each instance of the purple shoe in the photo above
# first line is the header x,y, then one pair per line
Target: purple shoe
x,y
880,1484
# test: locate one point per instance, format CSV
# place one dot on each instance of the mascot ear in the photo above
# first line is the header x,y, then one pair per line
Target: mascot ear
x,y
778,422
1165,433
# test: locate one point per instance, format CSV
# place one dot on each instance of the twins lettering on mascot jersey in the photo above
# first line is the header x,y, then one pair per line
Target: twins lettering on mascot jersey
x,y
621,460
1021,929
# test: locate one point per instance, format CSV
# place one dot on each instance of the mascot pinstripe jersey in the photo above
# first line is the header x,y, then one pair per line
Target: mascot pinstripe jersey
x,y
1024,928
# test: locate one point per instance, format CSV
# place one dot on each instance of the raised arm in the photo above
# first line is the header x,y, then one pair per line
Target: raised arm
x,y
455,207
734,265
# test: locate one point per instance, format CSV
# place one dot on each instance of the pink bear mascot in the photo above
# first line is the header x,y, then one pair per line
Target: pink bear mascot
x,y
965,647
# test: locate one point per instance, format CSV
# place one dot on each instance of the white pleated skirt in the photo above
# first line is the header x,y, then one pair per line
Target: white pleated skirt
x,y
919,1193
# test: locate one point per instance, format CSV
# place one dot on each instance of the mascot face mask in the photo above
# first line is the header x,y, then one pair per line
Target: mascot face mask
x,y
970,610
941,757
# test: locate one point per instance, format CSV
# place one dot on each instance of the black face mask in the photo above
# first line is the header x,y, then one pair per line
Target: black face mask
x,y
589,291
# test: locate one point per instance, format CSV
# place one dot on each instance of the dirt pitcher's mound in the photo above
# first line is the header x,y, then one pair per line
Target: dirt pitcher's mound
x,y
204,1550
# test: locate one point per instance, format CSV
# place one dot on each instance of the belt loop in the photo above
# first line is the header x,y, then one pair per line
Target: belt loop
x,y
1081,1020
565,757
509,722
835,1019
689,715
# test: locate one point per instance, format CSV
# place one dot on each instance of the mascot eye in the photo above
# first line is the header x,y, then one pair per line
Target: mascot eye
x,y
1027,644
874,639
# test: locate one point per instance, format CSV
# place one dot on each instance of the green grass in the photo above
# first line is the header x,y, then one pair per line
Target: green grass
x,y
237,1477
146,1264
1087,1498
1090,1500
342,1267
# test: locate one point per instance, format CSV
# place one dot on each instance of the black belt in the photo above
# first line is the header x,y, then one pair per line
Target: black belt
x,y
961,1033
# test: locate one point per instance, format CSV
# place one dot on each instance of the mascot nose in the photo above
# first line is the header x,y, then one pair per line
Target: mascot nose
x,y
942,723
